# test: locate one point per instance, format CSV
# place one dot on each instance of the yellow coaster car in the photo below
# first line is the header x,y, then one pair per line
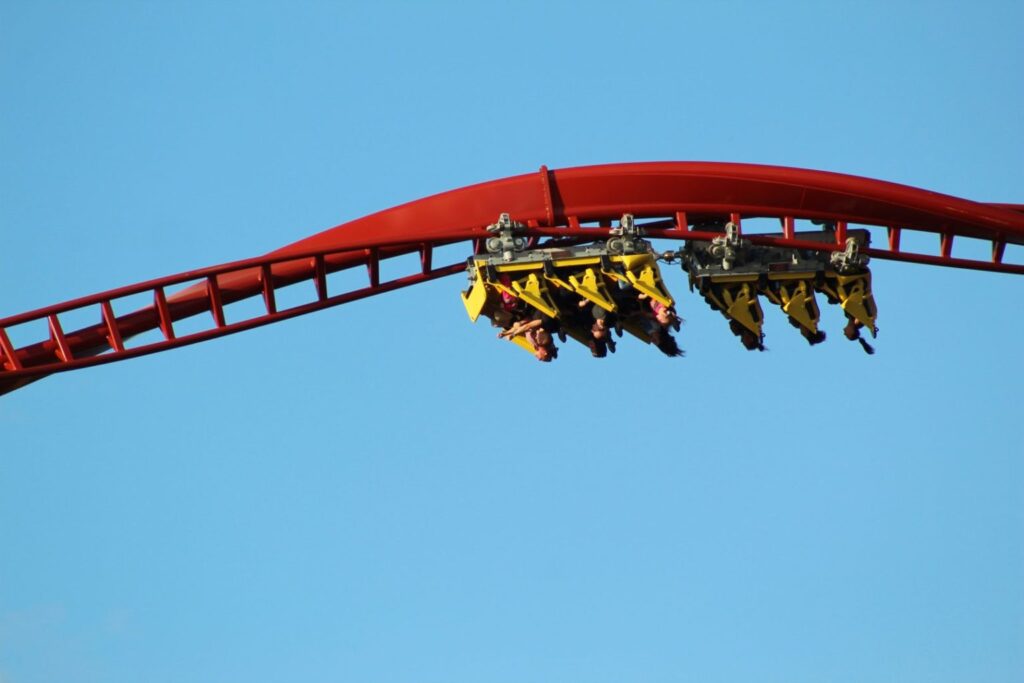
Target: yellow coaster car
x,y
853,293
730,272
556,282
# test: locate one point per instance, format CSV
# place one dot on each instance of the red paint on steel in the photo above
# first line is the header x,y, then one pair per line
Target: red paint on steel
x,y
788,227
998,250
426,257
682,224
320,277
946,245
948,262
11,361
549,211
894,238
266,283
841,233
58,338
163,313
216,303
373,266
139,321
596,193
738,220
114,340
672,194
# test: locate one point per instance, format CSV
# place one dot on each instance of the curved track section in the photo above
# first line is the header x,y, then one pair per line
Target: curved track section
x,y
672,200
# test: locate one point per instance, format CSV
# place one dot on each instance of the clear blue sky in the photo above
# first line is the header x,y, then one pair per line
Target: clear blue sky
x,y
383,492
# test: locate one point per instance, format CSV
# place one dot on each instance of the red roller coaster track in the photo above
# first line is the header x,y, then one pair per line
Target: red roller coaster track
x,y
673,199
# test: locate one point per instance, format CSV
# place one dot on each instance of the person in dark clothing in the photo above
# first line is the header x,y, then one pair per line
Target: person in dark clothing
x,y
852,332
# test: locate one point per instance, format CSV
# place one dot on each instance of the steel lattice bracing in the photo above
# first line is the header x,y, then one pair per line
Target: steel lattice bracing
x,y
675,200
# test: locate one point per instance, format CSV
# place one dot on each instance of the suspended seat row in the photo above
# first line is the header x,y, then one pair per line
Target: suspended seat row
x,y
574,284
730,273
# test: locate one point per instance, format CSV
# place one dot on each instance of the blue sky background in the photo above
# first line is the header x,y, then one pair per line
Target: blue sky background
x,y
382,491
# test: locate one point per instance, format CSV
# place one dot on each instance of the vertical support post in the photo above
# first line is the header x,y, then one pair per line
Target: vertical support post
x,y
549,206
682,225
113,331
12,362
426,257
736,218
946,245
216,306
998,249
166,324
841,233
788,227
57,336
373,266
894,238
320,276
267,280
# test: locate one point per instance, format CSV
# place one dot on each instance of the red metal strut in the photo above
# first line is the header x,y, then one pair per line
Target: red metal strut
x,y
674,199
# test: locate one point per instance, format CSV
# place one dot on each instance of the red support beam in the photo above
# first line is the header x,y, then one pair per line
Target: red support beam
x,y
58,338
11,361
166,321
114,339
267,286
320,277
946,245
894,238
998,250
841,233
373,266
426,257
682,224
737,220
216,302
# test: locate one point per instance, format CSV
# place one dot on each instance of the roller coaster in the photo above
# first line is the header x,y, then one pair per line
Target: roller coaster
x,y
559,253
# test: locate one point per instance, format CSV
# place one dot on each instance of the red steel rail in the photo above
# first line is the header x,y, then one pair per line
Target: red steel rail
x,y
674,200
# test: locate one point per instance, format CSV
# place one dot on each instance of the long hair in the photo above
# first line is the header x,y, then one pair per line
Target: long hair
x,y
668,345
